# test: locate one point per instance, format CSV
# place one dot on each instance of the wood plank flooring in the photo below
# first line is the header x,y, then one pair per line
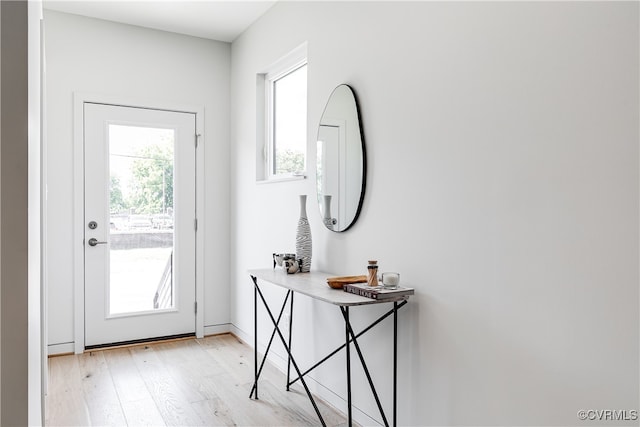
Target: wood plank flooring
x,y
195,382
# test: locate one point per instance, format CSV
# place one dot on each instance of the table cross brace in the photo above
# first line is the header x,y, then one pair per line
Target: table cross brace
x,y
334,352
286,346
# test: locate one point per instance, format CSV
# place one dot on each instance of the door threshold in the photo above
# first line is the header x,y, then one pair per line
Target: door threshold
x,y
134,343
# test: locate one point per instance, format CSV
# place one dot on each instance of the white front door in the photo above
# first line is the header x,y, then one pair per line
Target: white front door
x,y
333,152
139,223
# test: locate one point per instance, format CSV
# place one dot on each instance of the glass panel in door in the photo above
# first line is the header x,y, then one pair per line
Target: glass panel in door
x,y
141,164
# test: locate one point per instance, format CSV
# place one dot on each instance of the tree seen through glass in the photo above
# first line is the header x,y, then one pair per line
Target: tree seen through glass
x,y
141,179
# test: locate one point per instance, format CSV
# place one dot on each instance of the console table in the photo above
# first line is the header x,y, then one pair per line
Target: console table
x,y
314,285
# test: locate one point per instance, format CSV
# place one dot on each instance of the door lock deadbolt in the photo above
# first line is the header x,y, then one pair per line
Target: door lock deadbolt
x,y
93,225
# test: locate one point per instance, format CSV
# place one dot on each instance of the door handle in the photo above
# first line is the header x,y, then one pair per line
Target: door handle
x,y
94,242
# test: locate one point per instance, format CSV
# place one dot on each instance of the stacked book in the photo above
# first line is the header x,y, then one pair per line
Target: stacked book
x,y
377,292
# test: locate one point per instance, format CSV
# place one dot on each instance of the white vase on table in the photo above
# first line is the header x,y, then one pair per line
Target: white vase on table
x,y
303,237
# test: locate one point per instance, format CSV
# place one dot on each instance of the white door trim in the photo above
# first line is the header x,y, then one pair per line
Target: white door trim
x,y
79,98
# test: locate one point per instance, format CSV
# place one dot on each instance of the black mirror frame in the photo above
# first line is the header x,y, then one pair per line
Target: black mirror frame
x,y
364,154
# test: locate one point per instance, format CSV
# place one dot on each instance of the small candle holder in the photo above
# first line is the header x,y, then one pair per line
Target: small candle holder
x,y
390,280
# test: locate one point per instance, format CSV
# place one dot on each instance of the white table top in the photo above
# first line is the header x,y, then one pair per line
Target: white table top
x,y
314,284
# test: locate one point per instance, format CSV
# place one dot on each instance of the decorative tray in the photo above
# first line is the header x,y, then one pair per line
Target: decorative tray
x,y
340,281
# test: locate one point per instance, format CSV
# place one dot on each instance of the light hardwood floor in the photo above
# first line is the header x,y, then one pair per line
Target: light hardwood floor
x,y
195,382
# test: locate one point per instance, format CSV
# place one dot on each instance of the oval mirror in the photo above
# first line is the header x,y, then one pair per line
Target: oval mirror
x,y
341,161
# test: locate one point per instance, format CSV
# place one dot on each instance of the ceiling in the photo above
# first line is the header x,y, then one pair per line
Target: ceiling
x,y
211,19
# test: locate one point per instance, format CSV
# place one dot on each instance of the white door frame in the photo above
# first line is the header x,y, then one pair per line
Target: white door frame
x,y
79,98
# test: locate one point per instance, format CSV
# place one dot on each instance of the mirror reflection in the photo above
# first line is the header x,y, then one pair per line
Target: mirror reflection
x,y
341,162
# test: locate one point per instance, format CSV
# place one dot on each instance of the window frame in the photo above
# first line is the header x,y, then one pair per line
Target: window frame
x,y
288,64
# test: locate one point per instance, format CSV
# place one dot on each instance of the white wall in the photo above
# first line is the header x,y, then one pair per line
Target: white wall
x,y
503,177
89,55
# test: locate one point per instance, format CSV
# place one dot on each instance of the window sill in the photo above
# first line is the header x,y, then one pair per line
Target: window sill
x,y
281,179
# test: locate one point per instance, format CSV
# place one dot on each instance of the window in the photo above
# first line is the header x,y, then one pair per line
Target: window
x,y
285,118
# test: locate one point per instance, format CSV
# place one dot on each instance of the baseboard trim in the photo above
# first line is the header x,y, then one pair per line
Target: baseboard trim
x,y
60,349
223,328
241,335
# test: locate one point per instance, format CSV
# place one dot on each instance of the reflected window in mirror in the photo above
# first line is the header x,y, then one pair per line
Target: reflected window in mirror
x,y
340,161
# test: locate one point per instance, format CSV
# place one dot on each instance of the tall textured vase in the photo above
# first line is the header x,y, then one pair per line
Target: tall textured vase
x,y
303,237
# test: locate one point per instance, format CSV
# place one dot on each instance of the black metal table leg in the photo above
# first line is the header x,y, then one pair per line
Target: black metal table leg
x,y
255,336
293,361
366,371
273,334
345,312
395,363
290,328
